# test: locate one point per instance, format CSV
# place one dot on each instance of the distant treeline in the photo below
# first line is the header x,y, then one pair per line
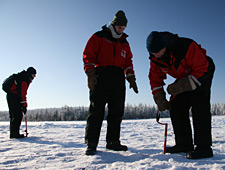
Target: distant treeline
x,y
67,113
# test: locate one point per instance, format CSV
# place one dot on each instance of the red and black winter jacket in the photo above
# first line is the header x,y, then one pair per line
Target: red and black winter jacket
x,y
103,50
183,57
20,87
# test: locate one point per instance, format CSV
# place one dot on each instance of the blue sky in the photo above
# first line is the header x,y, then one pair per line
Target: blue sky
x,y
50,35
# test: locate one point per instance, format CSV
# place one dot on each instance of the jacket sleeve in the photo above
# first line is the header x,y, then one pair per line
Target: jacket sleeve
x,y
197,61
156,77
24,87
90,52
128,66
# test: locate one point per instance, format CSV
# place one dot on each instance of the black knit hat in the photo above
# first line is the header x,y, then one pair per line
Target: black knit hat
x,y
31,70
155,42
119,19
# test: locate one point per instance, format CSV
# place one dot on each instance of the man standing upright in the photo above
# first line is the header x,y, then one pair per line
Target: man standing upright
x,y
107,61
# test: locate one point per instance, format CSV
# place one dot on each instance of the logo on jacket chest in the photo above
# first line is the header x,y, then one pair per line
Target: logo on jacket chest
x,y
123,53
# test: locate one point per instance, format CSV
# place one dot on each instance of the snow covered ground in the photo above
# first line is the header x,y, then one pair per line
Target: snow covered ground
x,y
60,145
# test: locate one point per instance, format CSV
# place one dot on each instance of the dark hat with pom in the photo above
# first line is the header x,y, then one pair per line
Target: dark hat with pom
x,y
119,19
155,42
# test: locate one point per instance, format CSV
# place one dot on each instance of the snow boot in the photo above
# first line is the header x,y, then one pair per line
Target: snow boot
x,y
116,146
14,130
12,136
179,149
90,150
200,153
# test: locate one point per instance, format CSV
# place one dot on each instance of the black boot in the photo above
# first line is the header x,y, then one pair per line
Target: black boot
x,y
14,130
116,146
90,150
12,136
200,153
179,149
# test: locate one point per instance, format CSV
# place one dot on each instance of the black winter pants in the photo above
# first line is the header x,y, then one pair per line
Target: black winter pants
x,y
15,113
110,89
199,103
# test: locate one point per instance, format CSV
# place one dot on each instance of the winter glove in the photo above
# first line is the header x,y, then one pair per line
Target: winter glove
x,y
24,110
132,80
160,100
91,78
181,85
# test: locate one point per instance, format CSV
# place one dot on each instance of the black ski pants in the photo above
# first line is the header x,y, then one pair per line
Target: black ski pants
x,y
110,89
199,103
15,113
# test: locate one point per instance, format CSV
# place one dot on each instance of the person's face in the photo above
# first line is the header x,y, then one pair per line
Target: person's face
x,y
120,29
159,54
33,75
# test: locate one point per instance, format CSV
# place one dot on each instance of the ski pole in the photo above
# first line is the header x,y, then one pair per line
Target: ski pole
x,y
26,131
165,134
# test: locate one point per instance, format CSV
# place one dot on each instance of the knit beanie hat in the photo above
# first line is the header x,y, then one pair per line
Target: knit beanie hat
x,y
31,70
119,19
155,42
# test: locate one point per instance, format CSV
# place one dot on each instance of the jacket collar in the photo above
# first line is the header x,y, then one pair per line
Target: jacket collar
x,y
123,35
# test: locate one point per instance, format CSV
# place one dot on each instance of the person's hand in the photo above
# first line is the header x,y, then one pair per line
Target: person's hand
x,y
91,78
160,100
24,110
181,85
132,80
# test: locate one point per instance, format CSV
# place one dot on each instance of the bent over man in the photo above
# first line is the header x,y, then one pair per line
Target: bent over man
x,y
17,100
185,60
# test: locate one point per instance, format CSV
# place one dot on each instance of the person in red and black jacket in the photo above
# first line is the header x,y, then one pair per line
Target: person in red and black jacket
x,y
107,61
17,100
185,60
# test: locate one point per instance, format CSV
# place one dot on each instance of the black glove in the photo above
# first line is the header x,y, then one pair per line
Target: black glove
x,y
24,110
91,78
181,85
160,100
132,80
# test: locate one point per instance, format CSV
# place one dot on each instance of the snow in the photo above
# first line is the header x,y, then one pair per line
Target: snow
x,y
60,145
